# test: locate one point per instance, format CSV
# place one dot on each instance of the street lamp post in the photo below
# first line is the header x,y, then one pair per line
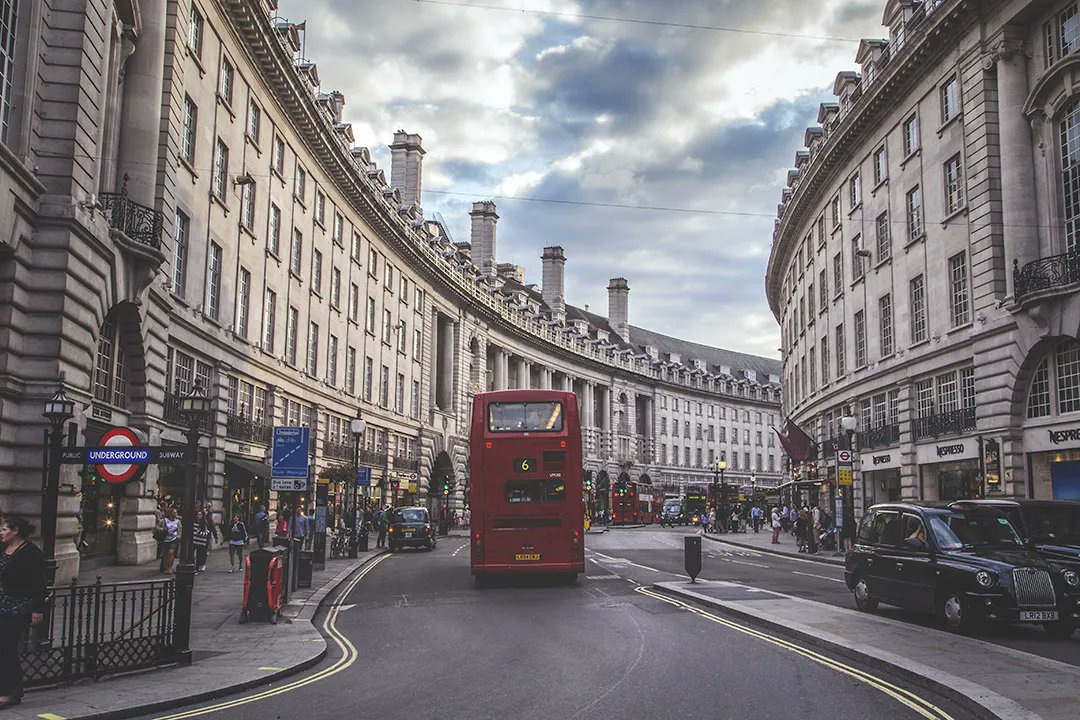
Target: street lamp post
x,y
848,425
195,408
358,425
721,522
58,410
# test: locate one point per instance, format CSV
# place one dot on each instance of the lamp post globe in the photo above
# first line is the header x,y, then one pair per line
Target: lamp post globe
x,y
357,426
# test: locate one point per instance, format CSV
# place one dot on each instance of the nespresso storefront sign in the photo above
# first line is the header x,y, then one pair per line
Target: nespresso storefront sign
x,y
884,460
1042,439
947,451
1071,435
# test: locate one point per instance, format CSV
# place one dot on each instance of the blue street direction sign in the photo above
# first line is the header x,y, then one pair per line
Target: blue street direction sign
x,y
290,456
363,476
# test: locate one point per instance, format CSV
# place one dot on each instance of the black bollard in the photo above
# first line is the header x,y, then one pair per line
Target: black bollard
x,y
692,556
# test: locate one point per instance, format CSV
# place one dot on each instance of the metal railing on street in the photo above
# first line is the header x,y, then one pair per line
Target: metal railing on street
x,y
102,629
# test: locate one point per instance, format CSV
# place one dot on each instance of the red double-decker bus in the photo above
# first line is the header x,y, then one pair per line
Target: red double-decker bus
x,y
635,503
528,513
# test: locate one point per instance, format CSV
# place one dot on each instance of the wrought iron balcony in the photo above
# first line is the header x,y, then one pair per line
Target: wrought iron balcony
x,y
142,224
879,436
947,423
1046,273
241,428
338,451
406,463
373,458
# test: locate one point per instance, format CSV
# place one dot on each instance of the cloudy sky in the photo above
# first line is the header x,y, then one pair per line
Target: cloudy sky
x,y
693,108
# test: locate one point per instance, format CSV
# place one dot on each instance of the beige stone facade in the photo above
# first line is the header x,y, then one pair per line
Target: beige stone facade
x,y
183,203
923,267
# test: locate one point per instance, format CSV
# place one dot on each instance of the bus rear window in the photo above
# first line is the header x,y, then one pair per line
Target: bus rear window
x,y
525,417
535,491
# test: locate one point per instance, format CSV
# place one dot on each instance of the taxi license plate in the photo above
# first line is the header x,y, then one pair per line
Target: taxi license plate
x,y
1038,615
408,535
527,556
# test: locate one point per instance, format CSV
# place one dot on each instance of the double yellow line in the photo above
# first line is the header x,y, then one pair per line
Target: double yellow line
x,y
348,657
905,697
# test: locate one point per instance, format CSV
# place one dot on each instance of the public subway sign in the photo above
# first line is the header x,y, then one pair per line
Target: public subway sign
x,y
119,458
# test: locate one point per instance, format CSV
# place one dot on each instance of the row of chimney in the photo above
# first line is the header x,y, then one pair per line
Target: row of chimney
x,y
406,158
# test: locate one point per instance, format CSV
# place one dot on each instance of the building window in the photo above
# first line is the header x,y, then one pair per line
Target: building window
x,y
823,289
911,135
821,230
227,81
110,372
399,400
838,273
354,301
959,309
221,170
300,185
273,241
195,32
857,269
1039,396
950,100
247,206
335,288
1067,366
855,191
243,302
914,213
885,312
812,368
917,288
187,132
840,359
181,233
339,230
1062,34
269,320
277,155
373,262
350,371
290,335
403,288
354,251
418,344
388,276
384,387
387,326
1070,174
834,213
881,169
213,281
320,207
331,360
370,326
402,337
954,184
369,372
316,271
254,121
824,360
313,349
860,339
810,303
884,238
296,254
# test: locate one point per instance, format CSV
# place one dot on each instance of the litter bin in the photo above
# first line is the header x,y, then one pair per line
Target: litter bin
x,y
304,569
264,585
363,539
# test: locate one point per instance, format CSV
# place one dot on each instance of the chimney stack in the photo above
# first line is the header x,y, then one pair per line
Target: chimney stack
x,y
553,282
483,236
618,293
406,157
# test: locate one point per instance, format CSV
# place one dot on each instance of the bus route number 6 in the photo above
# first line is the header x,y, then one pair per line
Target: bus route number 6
x,y
524,465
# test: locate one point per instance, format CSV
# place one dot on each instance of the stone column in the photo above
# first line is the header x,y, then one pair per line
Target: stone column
x,y
523,374
587,416
446,397
500,369
434,370
545,379
1018,204
140,133
605,420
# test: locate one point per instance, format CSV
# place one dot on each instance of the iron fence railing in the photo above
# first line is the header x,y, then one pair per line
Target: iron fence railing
x,y
879,436
1046,273
102,629
406,463
244,429
142,224
373,458
946,423
338,451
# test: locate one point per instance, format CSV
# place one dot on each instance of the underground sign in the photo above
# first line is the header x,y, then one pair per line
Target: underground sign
x,y
119,457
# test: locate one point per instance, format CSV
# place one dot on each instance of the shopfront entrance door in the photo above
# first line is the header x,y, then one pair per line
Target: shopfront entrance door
x,y
1065,480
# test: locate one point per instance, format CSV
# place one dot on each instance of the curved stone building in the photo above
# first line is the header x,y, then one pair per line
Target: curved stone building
x,y
184,204
924,266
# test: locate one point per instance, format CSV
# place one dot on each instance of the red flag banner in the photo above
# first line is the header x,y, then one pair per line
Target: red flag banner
x,y
797,444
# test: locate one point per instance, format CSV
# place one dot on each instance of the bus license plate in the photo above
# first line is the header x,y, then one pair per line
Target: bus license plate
x,y
527,556
408,535
1038,615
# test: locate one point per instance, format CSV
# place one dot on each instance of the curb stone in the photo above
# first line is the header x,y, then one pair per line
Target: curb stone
x,y
825,560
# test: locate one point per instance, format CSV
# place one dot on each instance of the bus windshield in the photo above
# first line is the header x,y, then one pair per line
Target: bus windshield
x,y
525,417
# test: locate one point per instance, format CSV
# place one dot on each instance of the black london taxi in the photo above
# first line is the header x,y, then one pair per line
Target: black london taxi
x,y
1051,527
964,564
411,527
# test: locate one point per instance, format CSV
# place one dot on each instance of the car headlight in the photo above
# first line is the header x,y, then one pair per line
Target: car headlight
x,y
984,578
1071,578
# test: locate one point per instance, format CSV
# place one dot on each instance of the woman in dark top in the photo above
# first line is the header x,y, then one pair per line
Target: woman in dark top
x,y
22,600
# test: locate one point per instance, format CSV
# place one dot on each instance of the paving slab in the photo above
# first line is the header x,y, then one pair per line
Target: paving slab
x,y
992,680
227,656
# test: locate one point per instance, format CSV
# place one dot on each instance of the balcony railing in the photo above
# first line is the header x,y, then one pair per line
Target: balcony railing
x,y
372,458
409,464
338,450
172,410
1046,273
241,428
946,423
879,437
142,224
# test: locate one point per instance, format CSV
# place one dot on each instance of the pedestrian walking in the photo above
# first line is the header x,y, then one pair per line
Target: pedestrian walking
x,y
262,527
785,519
466,517
381,520
22,600
208,518
200,540
800,530
170,541
238,537
299,527
755,517
847,530
812,517
776,526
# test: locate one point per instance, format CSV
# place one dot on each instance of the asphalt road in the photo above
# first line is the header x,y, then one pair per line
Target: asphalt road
x,y
415,638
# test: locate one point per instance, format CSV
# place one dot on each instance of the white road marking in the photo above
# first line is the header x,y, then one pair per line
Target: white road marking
x,y
796,572
346,607
743,562
453,554
602,577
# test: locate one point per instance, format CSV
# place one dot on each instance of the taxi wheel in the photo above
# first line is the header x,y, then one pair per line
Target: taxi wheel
x,y
956,617
863,601
1060,629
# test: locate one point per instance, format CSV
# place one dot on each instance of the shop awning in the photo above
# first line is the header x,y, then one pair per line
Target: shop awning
x,y
248,466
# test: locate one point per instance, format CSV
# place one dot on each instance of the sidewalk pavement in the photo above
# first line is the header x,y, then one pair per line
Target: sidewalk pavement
x,y
762,542
226,656
1024,686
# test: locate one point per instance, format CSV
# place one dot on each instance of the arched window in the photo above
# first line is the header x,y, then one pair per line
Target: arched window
x,y
1070,174
1055,385
110,373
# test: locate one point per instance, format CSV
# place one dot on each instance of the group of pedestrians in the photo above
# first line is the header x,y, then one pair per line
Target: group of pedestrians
x,y
205,534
